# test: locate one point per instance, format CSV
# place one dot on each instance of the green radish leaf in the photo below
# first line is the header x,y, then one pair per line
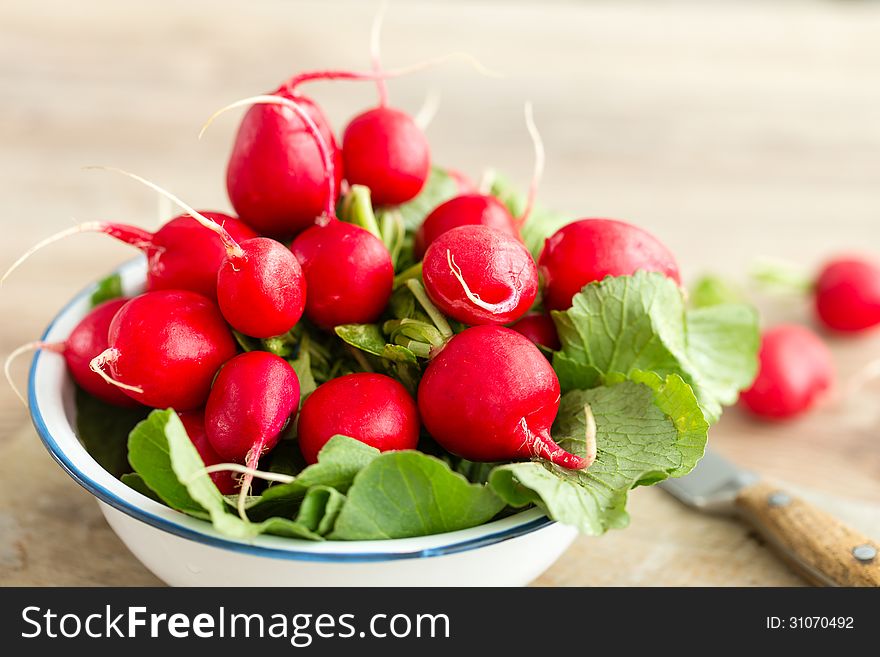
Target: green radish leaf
x,y
366,337
540,225
714,291
575,375
136,482
338,463
646,430
285,459
107,288
169,465
627,323
320,508
150,455
247,343
103,430
439,187
285,345
407,493
302,365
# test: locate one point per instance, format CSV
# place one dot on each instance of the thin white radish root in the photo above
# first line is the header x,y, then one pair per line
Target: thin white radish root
x,y
505,306
375,51
58,348
232,247
103,359
538,170
241,469
89,226
428,110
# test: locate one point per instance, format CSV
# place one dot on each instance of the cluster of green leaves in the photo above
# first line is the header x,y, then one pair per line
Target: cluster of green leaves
x,y
643,376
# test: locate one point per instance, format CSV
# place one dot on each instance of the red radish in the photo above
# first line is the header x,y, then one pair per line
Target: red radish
x,y
260,286
795,371
276,174
372,408
540,329
181,255
491,395
86,340
262,292
588,250
847,295
479,275
385,150
194,423
474,209
348,271
165,348
253,399
465,210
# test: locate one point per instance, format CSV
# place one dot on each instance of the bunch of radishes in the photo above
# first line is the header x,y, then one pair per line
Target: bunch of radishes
x,y
289,269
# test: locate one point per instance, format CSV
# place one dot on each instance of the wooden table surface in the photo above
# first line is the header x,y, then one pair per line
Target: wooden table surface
x,y
731,130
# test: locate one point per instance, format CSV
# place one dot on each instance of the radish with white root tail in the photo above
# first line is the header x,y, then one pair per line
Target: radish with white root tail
x,y
347,269
252,400
491,395
479,275
384,148
261,289
475,209
86,340
588,250
164,349
372,408
276,171
181,255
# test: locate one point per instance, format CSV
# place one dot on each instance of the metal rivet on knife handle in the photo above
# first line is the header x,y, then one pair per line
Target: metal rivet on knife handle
x,y
778,498
865,553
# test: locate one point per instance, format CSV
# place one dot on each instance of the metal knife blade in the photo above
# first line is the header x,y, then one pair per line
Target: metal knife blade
x,y
712,485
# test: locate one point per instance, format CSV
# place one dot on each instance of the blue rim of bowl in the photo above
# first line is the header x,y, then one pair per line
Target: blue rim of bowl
x,y
166,525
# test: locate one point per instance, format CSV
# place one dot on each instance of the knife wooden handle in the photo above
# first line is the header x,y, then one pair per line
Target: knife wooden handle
x,y
822,549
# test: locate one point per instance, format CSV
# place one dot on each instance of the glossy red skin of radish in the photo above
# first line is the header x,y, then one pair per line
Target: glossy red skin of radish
x,y
465,210
385,150
540,329
87,340
261,293
491,395
588,250
495,266
253,397
170,343
194,423
348,274
183,255
847,295
795,371
276,179
372,408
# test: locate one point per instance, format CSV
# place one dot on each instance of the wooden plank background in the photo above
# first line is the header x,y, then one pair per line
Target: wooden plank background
x,y
731,130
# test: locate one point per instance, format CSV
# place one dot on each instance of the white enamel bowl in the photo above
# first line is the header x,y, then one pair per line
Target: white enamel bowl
x,y
184,551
